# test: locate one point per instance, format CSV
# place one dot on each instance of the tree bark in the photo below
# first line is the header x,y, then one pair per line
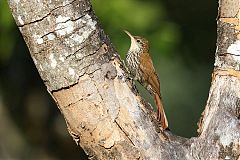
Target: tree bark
x,y
104,113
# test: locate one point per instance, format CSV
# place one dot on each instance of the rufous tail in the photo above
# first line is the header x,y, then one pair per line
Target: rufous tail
x,y
161,114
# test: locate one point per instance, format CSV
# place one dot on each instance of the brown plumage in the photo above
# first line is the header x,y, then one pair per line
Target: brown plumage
x,y
141,68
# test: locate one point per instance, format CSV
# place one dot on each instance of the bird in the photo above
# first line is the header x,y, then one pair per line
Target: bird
x,y
139,64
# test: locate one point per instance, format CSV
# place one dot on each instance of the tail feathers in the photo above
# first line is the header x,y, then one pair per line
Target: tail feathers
x,y
161,114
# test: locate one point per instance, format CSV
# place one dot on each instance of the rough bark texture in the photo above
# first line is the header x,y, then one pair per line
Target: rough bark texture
x,y
104,113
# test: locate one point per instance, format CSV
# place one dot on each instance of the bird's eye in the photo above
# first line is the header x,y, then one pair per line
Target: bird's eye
x,y
138,40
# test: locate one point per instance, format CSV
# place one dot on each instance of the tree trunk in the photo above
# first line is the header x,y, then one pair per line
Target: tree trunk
x,y
104,113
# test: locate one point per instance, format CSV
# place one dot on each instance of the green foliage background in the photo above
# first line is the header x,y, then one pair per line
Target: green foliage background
x,y
182,36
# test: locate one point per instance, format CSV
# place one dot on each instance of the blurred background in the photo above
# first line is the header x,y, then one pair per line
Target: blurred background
x,y
182,36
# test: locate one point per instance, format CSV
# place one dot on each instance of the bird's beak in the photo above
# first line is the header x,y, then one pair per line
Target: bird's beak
x,y
134,44
129,34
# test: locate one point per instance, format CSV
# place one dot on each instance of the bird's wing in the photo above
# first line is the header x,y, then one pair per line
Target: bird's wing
x,y
149,73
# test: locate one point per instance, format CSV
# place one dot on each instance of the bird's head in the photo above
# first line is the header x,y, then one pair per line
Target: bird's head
x,y
138,44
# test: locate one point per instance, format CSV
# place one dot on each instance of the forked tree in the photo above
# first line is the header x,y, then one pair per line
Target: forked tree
x,y
103,112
